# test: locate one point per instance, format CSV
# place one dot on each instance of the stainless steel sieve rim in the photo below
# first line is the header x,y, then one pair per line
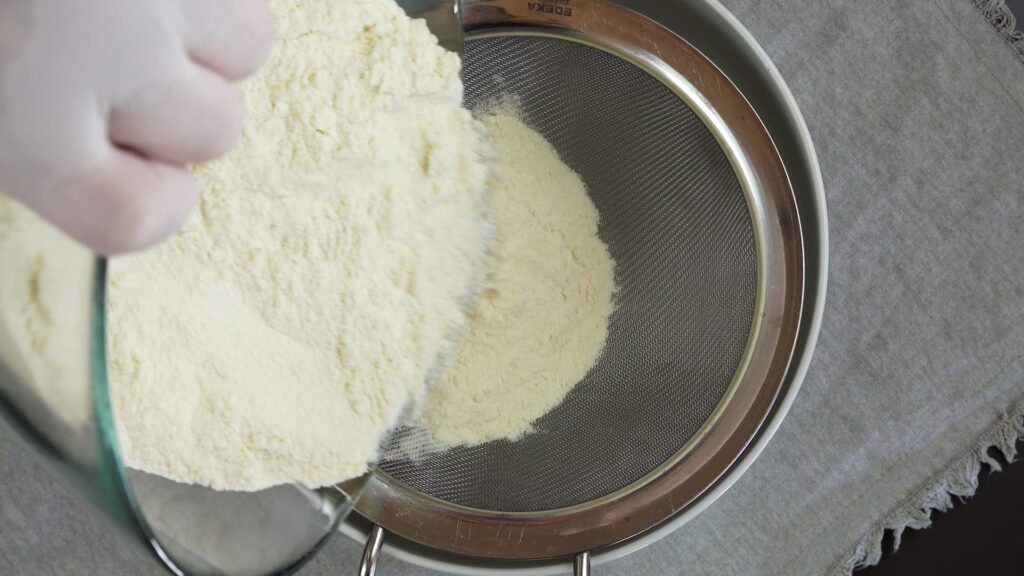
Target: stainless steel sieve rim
x,y
645,504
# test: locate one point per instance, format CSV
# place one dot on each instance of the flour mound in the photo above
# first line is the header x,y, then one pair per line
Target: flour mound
x,y
543,320
279,336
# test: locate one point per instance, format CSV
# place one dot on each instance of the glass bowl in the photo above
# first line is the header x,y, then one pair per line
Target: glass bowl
x,y
54,395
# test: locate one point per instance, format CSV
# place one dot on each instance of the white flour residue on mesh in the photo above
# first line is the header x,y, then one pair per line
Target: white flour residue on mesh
x,y
542,322
282,332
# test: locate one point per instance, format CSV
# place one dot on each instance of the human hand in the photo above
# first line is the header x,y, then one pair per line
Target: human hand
x,y
104,103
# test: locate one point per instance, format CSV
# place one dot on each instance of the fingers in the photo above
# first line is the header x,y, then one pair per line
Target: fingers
x,y
231,37
193,120
141,192
125,203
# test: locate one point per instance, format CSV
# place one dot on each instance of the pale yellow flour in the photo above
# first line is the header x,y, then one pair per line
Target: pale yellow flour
x,y
543,322
282,332
45,284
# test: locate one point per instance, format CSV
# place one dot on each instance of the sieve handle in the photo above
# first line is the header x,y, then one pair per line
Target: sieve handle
x,y
582,564
371,554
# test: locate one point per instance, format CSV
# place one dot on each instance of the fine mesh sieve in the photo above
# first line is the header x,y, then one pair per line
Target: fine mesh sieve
x,y
678,227
700,218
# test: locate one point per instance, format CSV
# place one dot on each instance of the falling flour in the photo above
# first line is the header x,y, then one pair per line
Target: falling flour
x,y
325,275
543,321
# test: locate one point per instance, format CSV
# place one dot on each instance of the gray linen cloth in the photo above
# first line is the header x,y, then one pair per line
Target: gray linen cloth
x,y
917,110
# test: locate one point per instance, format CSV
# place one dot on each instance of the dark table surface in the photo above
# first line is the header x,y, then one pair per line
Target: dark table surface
x,y
984,535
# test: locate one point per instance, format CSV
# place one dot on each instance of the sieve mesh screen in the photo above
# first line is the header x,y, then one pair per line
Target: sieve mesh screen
x,y
677,223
